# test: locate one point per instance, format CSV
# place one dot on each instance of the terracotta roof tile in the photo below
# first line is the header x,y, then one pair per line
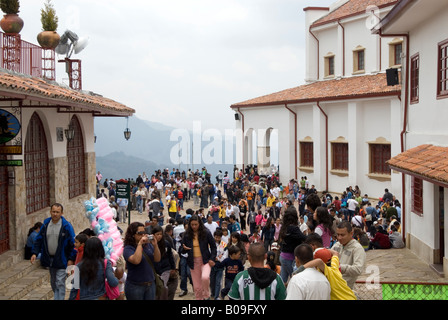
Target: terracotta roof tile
x,y
345,88
352,7
426,160
51,91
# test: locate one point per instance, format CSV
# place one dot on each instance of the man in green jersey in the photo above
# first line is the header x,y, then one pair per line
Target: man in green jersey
x,y
257,282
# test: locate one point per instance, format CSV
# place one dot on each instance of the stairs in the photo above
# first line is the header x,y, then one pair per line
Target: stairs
x,y
21,280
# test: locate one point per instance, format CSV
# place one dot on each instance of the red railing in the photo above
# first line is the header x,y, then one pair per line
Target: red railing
x,y
27,58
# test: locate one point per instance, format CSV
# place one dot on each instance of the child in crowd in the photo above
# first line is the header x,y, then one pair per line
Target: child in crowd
x,y
218,269
80,241
232,266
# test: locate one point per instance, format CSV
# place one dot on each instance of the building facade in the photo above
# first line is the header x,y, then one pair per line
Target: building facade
x,y
41,163
341,127
423,160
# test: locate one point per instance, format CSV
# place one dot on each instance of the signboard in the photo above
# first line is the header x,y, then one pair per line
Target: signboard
x,y
123,189
123,195
11,150
405,291
9,126
11,163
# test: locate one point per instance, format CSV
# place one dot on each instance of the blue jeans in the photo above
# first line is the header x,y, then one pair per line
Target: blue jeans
x,y
140,205
287,268
57,277
185,274
215,281
135,291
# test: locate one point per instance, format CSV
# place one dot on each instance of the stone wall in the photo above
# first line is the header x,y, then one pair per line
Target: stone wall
x,y
74,212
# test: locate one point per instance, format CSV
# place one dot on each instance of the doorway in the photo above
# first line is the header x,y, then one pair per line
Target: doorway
x,y
4,211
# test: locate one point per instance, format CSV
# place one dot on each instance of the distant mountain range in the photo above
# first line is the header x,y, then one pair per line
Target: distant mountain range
x,y
147,150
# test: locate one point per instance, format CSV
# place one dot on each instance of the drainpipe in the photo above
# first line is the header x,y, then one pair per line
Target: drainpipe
x,y
243,135
318,45
343,48
405,121
295,138
326,143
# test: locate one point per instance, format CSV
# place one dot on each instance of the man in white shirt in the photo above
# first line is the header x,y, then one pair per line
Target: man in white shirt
x,y
309,284
210,224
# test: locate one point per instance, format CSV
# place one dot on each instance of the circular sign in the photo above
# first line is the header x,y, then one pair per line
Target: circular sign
x,y
9,126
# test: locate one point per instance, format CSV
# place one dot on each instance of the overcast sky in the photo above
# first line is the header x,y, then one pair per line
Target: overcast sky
x,y
177,61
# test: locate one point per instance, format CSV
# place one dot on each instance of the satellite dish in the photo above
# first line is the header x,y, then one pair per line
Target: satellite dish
x,y
81,44
69,43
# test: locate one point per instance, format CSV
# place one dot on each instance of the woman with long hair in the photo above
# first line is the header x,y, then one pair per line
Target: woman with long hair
x,y
140,254
324,225
166,267
92,274
199,244
290,237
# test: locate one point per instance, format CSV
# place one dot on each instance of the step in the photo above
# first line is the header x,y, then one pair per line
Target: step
x,y
18,277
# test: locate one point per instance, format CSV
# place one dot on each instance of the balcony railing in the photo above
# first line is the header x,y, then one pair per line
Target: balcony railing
x,y
26,58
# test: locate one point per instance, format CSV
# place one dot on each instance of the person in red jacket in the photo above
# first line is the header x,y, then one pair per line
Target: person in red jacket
x,y
381,239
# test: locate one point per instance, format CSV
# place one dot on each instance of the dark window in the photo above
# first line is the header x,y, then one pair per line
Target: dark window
x,y
398,49
331,66
361,60
442,79
76,162
340,156
306,154
36,167
379,154
417,195
415,70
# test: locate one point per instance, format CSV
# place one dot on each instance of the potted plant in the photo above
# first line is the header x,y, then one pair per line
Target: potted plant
x,y
48,38
11,22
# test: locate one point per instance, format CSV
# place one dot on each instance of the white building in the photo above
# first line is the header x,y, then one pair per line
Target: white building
x,y
424,157
341,127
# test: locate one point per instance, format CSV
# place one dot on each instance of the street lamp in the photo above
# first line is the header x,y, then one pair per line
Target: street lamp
x,y
70,133
127,132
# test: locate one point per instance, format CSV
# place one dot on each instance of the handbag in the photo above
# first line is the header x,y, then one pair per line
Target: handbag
x,y
159,283
112,293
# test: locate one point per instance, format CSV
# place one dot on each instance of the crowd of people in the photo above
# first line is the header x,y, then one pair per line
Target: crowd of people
x,y
245,237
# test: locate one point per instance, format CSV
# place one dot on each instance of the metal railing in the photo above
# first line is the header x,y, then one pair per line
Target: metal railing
x,y
27,58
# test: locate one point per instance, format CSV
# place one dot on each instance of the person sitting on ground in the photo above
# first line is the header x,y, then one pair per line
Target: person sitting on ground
x,y
396,238
381,240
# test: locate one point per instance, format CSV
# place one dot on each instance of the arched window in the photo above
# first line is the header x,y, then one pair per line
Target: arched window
x,y
37,177
76,162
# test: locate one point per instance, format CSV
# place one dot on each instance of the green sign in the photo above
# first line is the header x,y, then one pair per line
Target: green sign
x,y
123,194
404,291
11,163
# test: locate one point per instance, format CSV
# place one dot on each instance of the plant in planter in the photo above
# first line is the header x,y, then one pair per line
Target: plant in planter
x,y
48,38
11,22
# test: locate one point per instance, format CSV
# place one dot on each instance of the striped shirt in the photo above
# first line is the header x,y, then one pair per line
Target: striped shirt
x,y
244,288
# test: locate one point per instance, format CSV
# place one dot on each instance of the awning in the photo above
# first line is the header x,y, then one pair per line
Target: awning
x,y
40,93
427,162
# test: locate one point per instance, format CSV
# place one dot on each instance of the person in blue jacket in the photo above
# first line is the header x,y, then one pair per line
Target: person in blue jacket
x,y
56,244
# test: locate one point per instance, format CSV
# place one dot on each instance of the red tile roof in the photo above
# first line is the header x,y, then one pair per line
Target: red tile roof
x,y
15,85
328,90
427,161
352,8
